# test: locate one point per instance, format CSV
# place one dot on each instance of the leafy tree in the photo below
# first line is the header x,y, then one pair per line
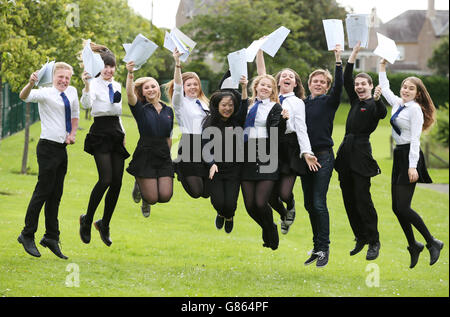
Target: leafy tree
x,y
439,59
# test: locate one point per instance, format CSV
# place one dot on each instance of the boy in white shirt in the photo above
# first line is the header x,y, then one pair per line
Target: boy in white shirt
x,y
59,114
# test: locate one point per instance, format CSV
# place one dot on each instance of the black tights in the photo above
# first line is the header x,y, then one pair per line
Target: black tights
x,y
224,196
401,205
196,186
283,190
110,171
156,190
256,199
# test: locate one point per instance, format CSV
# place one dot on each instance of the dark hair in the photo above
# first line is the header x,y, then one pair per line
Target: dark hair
x,y
214,118
299,91
106,55
366,76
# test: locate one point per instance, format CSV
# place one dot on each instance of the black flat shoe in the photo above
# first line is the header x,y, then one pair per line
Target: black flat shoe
x,y
414,251
373,251
53,246
435,248
229,225
29,245
85,230
358,247
104,232
219,222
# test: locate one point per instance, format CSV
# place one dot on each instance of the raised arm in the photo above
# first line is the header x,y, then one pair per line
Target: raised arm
x,y
28,87
132,99
390,97
348,73
177,73
336,89
260,63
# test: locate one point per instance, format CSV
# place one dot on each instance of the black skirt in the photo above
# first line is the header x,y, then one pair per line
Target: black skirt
x,y
151,159
189,160
256,168
401,165
290,162
106,136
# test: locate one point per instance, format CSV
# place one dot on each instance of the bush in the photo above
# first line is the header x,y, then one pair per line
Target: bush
x,y
440,131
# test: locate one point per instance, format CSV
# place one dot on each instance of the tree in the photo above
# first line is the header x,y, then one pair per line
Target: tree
x,y
439,59
232,25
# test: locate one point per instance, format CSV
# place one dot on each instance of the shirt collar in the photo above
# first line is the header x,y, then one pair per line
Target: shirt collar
x,y
409,103
288,94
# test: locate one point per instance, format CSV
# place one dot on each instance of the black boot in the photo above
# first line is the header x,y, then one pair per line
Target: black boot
x,y
435,248
373,251
358,246
29,245
53,246
414,251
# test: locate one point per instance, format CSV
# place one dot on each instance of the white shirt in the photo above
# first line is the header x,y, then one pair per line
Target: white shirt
x,y
52,111
97,98
297,121
260,128
409,120
187,112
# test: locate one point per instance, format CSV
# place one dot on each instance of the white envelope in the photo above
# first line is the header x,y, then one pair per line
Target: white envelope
x,y
45,75
92,62
269,44
334,33
357,29
386,49
139,51
178,39
238,65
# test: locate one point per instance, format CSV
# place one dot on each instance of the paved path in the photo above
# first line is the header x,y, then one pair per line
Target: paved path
x,y
443,188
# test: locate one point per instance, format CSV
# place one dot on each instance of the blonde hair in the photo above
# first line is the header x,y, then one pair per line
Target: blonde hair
x,y
324,72
184,77
273,96
62,65
424,100
139,84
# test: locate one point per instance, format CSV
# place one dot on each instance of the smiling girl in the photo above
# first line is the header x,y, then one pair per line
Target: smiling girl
x,y
105,141
151,164
412,113
191,107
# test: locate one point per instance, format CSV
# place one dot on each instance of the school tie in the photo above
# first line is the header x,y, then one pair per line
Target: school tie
x,y
250,119
201,107
111,93
394,116
282,99
67,112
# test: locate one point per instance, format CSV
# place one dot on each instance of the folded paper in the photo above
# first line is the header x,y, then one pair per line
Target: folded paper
x,y
386,49
177,39
334,33
237,62
45,75
92,62
269,44
139,51
357,26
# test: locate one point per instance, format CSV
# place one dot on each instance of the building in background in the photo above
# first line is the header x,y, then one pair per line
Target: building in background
x,y
416,33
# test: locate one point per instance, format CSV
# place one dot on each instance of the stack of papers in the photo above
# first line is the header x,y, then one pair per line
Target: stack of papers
x,y
45,75
177,39
238,66
92,62
334,33
386,49
269,44
357,29
139,51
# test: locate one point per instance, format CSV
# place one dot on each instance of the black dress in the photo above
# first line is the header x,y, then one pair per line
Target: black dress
x,y
151,159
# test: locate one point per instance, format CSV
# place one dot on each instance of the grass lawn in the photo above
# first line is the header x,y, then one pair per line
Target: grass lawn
x,y
178,251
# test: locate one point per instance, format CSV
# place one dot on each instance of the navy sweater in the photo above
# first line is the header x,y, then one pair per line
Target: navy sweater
x,y
320,112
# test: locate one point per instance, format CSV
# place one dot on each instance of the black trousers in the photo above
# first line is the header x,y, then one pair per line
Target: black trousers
x,y
359,206
52,162
224,196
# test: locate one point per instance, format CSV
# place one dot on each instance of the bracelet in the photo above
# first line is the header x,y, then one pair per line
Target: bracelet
x,y
338,63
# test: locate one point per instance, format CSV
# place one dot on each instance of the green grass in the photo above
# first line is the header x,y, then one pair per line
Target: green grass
x,y
179,252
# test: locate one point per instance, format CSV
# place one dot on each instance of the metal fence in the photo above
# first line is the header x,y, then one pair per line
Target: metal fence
x,y
14,112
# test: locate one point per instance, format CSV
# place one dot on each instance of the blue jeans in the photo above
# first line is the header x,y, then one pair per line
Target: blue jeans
x,y
315,189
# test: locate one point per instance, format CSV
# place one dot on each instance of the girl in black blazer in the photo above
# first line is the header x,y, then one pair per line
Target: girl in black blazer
x,y
259,171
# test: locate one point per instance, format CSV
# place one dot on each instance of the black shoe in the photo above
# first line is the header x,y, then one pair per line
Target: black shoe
x,y
373,251
219,222
145,208
53,246
274,239
312,258
358,247
435,248
29,245
85,230
414,251
136,193
104,232
322,259
229,225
